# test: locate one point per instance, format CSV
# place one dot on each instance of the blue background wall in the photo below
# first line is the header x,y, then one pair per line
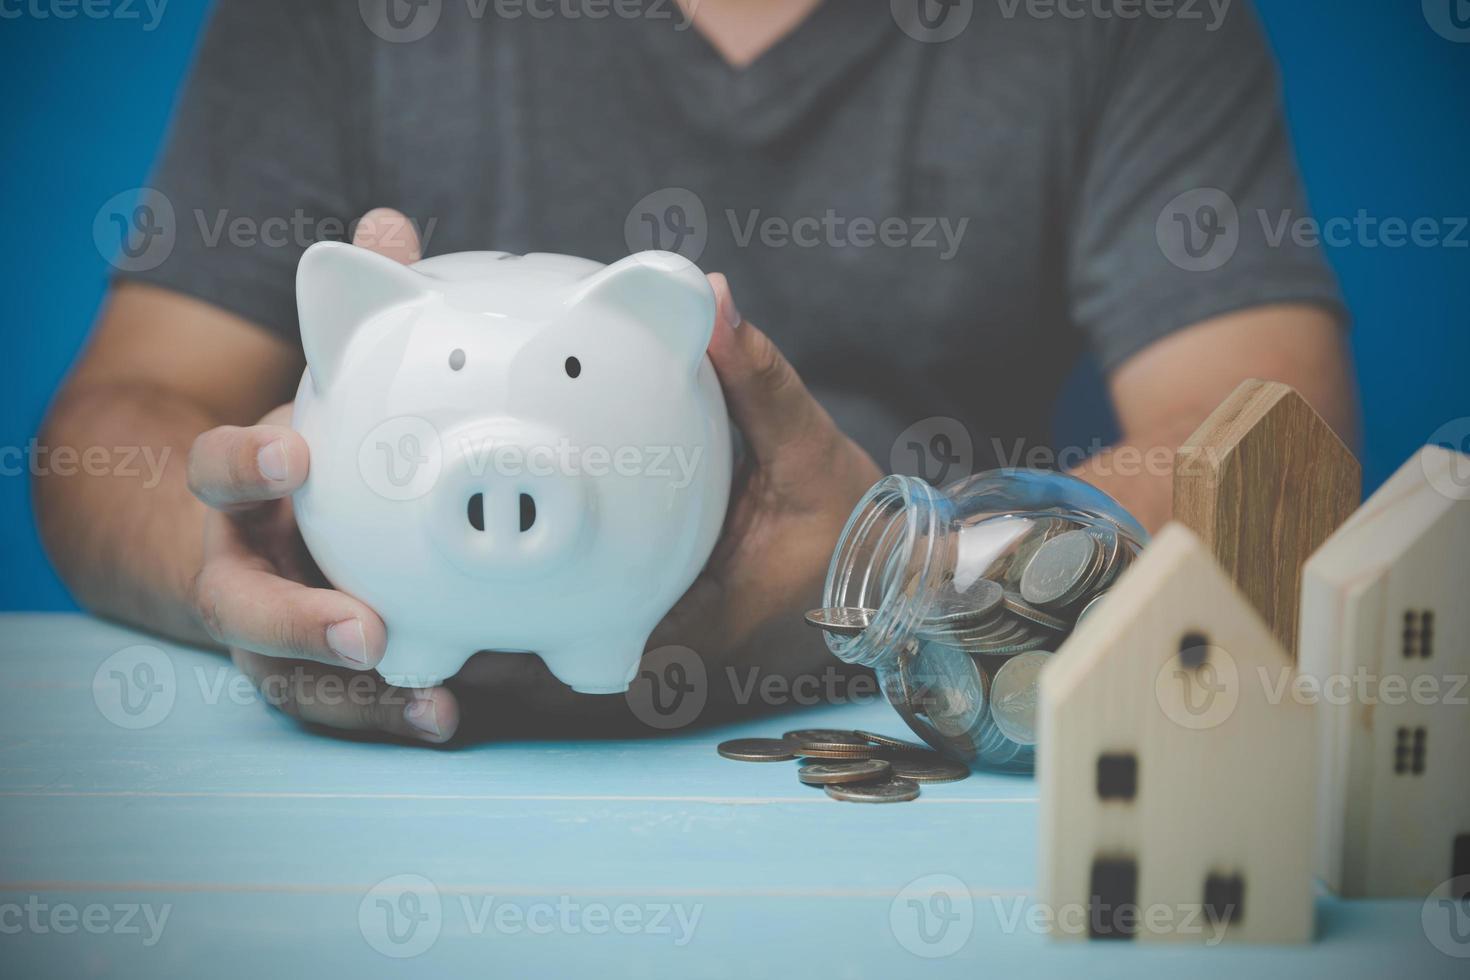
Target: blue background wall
x,y
1376,99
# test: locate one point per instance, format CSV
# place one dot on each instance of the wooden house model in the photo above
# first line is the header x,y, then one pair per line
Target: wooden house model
x,y
1385,639
1176,779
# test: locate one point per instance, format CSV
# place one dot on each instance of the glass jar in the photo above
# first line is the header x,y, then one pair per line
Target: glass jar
x,y
957,596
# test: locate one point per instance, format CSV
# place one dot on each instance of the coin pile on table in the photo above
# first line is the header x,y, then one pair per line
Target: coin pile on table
x,y
969,680
853,766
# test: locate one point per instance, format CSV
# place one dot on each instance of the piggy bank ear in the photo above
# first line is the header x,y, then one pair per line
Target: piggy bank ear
x,y
662,290
339,287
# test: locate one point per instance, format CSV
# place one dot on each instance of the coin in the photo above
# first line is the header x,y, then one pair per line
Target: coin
x,y
855,771
1014,603
1018,639
1114,561
757,749
1089,609
824,735
949,689
975,604
835,750
830,743
927,767
843,621
887,743
1014,696
892,790
1061,568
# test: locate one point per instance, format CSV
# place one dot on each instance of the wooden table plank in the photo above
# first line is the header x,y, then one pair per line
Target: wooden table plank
x,y
267,847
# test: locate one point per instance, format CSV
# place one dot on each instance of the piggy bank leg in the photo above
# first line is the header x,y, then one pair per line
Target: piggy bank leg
x,y
596,666
415,662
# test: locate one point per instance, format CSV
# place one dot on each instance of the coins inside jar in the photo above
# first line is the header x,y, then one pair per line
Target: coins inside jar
x,y
1015,696
967,677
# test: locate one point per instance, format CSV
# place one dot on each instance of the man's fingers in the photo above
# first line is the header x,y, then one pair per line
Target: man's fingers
x,y
389,233
345,701
243,605
233,466
766,396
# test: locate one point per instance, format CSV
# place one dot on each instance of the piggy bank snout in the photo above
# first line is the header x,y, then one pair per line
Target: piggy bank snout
x,y
506,503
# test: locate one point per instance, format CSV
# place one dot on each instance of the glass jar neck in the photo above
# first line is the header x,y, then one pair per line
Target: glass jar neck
x,y
892,557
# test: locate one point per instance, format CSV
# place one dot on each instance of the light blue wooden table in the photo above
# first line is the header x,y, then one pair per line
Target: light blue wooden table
x,y
222,840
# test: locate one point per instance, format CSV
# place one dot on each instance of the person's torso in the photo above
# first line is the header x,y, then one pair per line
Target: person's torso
x,y
892,211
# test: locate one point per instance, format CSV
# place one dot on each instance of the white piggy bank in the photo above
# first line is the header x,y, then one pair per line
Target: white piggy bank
x,y
513,453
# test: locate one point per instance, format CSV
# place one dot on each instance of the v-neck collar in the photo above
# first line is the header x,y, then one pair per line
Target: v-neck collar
x,y
776,91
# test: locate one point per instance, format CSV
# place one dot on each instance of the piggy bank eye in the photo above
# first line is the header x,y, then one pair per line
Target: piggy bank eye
x,y
456,359
573,366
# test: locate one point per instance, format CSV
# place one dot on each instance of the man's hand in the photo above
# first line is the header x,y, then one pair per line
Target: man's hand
x,y
308,648
797,487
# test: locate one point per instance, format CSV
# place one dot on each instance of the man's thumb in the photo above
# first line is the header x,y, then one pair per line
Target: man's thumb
x,y
765,395
389,233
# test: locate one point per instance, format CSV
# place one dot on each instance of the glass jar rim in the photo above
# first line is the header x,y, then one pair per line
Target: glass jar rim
x,y
904,599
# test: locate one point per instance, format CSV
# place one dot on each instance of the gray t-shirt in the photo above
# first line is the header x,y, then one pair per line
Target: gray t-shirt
x,y
926,228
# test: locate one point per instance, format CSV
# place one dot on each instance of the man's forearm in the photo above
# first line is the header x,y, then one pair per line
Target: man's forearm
x,y
1164,392
1138,472
123,530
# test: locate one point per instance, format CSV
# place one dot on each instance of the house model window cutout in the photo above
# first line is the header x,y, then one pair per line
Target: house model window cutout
x,y
1385,638
1176,787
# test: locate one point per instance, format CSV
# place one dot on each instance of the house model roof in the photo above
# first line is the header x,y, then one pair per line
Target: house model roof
x,y
1176,585
1408,506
